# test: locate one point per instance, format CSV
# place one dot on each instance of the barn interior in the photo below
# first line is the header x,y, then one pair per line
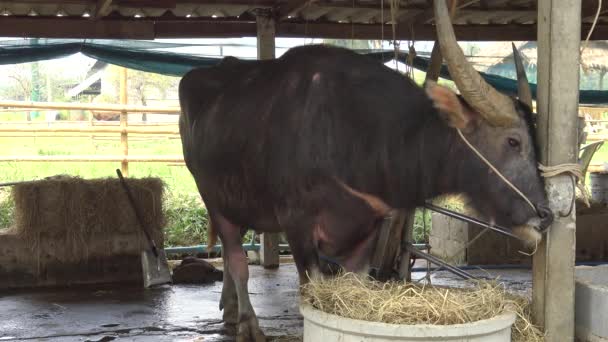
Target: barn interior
x,y
96,311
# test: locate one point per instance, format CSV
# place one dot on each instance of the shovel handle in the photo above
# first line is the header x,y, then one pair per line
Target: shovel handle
x,y
137,213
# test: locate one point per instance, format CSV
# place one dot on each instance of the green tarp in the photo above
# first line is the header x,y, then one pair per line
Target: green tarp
x,y
148,56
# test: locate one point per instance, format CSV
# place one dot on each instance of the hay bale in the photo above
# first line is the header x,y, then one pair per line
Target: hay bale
x,y
74,213
357,297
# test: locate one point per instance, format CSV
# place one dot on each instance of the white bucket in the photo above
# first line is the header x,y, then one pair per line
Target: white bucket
x,y
323,327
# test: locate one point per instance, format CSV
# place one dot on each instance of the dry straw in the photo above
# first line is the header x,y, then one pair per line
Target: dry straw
x,y
69,216
361,298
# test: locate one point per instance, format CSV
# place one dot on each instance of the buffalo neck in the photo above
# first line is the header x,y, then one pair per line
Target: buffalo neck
x,y
441,162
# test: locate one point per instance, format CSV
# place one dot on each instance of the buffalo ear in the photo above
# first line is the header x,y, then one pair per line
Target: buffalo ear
x,y
454,111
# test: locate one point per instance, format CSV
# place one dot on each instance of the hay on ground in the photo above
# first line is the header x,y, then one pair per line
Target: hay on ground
x,y
362,298
75,213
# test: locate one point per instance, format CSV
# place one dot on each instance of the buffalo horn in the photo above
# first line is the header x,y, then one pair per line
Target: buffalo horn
x,y
498,109
523,87
432,74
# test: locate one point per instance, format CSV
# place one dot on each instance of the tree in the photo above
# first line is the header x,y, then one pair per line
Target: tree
x,y
142,86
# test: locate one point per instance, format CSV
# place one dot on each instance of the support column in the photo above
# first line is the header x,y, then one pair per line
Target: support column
x,y
559,32
269,243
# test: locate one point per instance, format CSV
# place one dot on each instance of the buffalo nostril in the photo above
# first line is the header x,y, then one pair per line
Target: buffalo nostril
x,y
546,216
543,212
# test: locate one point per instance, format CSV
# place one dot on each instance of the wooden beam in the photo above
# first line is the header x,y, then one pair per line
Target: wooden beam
x,y
403,32
559,34
103,8
292,7
266,32
219,28
428,14
590,9
75,28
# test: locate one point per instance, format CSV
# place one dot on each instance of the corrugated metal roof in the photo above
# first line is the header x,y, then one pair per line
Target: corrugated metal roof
x,y
415,15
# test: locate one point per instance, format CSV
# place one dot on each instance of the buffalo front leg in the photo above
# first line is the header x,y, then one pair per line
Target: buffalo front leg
x,y
234,258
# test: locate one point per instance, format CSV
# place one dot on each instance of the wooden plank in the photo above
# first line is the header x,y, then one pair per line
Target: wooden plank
x,y
558,90
269,242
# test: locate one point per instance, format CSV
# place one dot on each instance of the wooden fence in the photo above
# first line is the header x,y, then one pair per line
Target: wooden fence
x,y
94,129
123,130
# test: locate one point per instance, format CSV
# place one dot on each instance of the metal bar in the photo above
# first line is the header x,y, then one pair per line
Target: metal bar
x,y
437,261
218,248
465,218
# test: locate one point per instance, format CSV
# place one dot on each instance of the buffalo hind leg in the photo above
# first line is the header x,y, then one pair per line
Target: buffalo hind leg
x,y
229,300
234,255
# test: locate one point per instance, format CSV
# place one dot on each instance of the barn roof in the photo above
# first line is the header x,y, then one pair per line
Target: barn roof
x,y
360,19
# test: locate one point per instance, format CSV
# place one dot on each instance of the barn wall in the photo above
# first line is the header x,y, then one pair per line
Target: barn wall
x,y
448,239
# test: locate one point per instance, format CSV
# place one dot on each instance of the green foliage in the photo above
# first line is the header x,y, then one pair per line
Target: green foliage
x,y
7,207
422,221
187,221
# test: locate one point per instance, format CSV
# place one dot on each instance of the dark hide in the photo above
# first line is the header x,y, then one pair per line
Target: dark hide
x,y
270,143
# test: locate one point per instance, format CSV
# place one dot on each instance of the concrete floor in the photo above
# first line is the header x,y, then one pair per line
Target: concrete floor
x,y
171,313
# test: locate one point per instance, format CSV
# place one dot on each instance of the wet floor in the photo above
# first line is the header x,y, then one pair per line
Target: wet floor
x,y
171,313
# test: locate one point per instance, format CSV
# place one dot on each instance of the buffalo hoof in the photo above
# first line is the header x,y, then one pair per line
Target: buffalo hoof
x,y
230,315
249,331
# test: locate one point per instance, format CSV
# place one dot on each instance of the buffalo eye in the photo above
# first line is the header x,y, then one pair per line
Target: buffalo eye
x,y
513,142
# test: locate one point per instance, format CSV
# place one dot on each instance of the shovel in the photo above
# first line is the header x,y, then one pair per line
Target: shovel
x,y
153,262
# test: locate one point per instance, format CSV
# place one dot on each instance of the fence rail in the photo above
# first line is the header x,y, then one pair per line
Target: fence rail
x,y
91,107
120,130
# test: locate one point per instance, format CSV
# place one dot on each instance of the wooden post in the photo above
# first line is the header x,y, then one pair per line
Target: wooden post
x,y
388,244
407,236
269,243
559,32
124,122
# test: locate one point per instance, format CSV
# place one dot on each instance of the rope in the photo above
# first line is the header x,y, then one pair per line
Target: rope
x,y
394,8
597,15
573,170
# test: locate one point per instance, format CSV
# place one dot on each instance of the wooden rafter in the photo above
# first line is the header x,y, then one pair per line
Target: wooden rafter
x,y
428,14
292,7
103,8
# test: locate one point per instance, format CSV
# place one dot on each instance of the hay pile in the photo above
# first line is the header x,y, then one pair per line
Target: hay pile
x,y
76,215
361,298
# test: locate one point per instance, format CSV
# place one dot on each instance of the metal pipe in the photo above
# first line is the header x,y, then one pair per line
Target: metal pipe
x,y
246,246
218,248
506,267
496,228
437,261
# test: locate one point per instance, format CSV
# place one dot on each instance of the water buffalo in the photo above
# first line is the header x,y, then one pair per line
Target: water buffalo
x,y
322,142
